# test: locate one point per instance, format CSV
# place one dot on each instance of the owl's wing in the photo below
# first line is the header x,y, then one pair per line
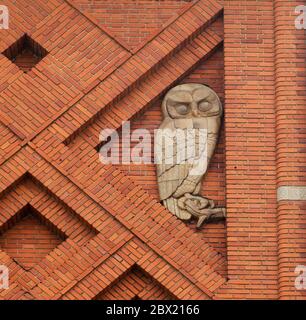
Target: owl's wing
x,y
170,173
195,164
213,128
170,178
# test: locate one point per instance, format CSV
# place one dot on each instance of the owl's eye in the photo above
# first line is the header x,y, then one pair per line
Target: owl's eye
x,y
204,106
182,109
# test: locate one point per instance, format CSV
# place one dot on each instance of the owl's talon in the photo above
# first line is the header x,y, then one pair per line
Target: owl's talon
x,y
201,221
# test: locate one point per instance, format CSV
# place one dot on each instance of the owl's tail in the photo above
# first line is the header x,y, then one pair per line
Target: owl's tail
x,y
172,205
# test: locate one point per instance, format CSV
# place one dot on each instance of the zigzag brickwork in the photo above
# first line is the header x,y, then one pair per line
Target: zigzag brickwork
x,y
74,228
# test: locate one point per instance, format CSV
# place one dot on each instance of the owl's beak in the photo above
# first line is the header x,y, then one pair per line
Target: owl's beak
x,y
194,108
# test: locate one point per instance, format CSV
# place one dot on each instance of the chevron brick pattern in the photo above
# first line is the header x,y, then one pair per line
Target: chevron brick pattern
x,y
49,127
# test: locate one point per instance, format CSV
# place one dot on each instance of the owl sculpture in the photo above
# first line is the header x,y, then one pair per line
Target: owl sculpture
x,y
192,118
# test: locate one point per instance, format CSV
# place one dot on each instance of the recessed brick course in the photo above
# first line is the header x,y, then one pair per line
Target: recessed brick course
x,y
25,53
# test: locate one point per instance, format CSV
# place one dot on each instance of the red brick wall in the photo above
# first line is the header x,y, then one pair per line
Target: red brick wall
x,y
121,243
290,62
250,149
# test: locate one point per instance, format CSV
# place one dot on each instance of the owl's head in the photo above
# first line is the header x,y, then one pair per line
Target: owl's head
x,y
190,101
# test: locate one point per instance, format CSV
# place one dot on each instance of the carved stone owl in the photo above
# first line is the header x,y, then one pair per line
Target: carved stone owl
x,y
188,107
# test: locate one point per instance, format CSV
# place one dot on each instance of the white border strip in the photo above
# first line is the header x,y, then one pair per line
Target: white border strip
x,y
295,193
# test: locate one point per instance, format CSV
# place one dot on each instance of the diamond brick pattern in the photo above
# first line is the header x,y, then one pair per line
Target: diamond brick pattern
x,y
46,158
135,285
18,241
25,53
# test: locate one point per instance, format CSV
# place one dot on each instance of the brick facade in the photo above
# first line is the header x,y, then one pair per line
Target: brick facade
x,y
74,228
